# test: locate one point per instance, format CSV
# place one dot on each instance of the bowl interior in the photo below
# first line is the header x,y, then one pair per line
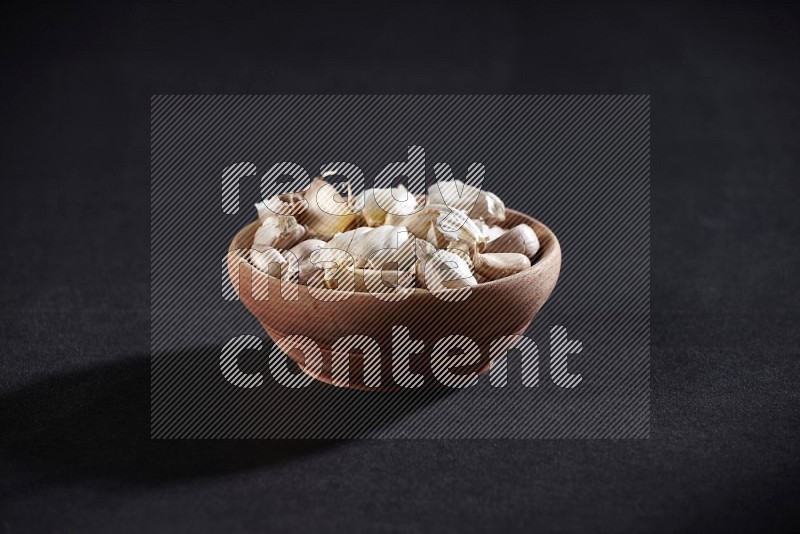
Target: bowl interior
x,y
548,246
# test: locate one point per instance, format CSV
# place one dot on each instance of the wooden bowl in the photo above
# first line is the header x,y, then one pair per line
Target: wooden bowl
x,y
493,310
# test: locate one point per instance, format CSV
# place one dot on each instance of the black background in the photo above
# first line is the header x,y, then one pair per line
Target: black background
x,y
723,452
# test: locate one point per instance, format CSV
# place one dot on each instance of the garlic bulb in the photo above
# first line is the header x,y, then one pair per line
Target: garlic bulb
x,y
520,239
387,206
477,203
493,266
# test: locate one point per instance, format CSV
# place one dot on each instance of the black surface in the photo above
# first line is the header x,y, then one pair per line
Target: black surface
x,y
723,452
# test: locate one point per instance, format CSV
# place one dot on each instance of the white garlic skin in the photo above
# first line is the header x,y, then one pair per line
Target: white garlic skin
x,y
434,224
429,236
467,232
494,232
283,204
477,203
442,269
328,213
299,261
304,249
278,231
521,239
262,258
381,206
363,242
320,208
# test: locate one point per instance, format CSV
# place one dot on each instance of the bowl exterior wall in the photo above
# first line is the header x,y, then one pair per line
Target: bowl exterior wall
x,y
491,311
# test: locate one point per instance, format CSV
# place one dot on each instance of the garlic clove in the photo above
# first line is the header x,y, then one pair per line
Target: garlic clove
x,y
423,249
496,265
483,227
342,242
421,222
493,232
442,269
284,204
388,205
300,266
304,249
328,213
521,239
278,231
441,225
478,203
387,238
262,258
320,207
462,250
394,281
457,227
364,244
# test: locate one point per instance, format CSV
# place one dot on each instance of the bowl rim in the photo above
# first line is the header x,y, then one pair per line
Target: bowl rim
x,y
550,249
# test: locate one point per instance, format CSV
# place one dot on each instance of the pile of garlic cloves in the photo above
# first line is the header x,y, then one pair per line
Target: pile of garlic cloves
x,y
324,233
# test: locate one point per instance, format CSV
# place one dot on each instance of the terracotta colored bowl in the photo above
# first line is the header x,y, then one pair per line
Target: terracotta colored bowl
x,y
493,310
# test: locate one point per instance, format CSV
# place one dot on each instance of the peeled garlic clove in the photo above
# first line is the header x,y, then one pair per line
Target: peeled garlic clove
x,y
520,239
388,206
478,203
496,265
278,231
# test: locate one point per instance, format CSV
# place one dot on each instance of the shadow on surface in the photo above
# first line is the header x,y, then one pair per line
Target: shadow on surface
x,y
95,423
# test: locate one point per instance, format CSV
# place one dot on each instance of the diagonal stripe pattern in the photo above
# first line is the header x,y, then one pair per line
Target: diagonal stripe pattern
x,y
578,163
